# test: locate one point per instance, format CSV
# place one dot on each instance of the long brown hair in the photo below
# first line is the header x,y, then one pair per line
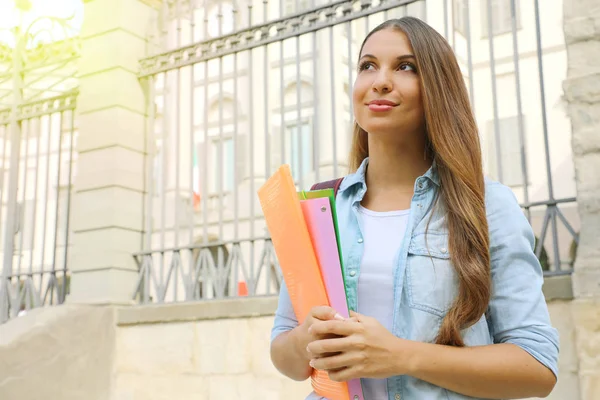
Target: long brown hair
x,y
453,141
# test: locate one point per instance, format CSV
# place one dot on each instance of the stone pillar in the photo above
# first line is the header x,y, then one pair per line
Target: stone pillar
x,y
582,92
108,216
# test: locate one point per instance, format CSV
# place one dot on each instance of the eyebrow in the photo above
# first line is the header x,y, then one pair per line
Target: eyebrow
x,y
399,58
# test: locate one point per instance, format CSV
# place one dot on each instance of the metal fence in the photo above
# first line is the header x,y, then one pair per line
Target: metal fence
x,y
237,88
38,93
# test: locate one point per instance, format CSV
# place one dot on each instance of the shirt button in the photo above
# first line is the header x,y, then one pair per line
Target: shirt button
x,y
360,240
352,273
397,396
444,250
356,397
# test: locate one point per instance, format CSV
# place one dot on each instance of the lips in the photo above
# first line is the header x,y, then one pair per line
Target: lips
x,y
382,102
381,105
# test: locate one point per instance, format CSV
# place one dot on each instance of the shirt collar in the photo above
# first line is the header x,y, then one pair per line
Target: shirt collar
x,y
359,177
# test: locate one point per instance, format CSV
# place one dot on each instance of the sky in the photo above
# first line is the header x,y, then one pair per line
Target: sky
x,y
44,30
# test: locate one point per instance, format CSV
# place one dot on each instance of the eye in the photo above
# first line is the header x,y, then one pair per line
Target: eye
x,y
365,65
406,66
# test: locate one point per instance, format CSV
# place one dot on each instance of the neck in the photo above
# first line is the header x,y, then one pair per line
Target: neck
x,y
395,166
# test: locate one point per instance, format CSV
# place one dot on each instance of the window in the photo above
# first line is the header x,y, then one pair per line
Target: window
x,y
298,149
24,225
221,20
225,172
297,6
510,151
459,16
501,19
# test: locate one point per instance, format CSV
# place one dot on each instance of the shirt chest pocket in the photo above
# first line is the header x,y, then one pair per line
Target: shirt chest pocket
x,y
431,279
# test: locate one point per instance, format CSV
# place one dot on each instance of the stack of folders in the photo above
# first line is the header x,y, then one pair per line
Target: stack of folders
x,y
303,229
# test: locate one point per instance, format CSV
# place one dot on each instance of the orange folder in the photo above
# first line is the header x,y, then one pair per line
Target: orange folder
x,y
284,218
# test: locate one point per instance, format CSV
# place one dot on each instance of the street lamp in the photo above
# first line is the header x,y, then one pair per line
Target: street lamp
x,y
39,23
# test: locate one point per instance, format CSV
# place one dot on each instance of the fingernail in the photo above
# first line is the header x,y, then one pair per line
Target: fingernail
x,y
338,317
307,349
311,363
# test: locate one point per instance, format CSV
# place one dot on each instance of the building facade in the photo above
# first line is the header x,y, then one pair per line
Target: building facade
x,y
182,109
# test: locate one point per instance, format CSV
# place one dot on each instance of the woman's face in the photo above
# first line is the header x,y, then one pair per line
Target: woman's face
x,y
387,91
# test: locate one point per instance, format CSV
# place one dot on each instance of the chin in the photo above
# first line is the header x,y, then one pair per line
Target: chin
x,y
383,129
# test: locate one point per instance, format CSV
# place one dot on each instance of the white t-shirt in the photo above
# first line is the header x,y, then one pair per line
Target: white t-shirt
x,y
383,233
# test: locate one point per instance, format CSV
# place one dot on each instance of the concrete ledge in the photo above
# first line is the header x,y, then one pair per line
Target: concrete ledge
x,y
558,288
243,307
555,288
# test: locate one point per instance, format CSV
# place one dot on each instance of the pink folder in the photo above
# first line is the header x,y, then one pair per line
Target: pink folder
x,y
291,240
319,221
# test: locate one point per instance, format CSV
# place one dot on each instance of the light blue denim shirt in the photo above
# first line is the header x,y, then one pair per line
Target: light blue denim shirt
x,y
424,290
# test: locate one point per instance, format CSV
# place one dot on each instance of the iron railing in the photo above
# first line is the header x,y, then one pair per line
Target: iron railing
x,y
236,90
38,94
35,269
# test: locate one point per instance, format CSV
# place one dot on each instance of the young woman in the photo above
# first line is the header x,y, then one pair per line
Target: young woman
x,y
439,262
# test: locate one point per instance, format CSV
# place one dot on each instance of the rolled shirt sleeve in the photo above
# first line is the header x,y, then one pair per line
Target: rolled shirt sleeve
x,y
517,312
285,317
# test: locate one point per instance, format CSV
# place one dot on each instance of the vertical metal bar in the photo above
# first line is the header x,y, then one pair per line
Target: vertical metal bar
x,y
298,154
206,146
557,261
150,159
446,19
266,104
251,150
57,207
68,208
5,142
490,31
283,132
333,102
236,144
543,98
315,137
467,17
164,176
192,144
35,193
349,37
221,139
177,161
523,145
454,11
23,208
46,196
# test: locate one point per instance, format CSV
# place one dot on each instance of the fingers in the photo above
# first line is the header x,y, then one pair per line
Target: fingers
x,y
356,316
336,362
334,327
325,313
344,374
326,347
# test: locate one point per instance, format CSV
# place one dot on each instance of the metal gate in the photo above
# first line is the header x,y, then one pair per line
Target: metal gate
x,y
237,88
37,135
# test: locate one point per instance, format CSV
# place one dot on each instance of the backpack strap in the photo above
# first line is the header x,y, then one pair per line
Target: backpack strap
x,y
332,184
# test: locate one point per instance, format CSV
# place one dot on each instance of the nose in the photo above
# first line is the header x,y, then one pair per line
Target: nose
x,y
382,82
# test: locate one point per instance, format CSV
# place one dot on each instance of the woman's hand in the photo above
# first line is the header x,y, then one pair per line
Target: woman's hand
x,y
363,349
317,314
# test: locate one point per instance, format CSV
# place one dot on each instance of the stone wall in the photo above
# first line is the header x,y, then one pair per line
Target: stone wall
x,y
58,353
229,358
199,358
213,350
582,93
